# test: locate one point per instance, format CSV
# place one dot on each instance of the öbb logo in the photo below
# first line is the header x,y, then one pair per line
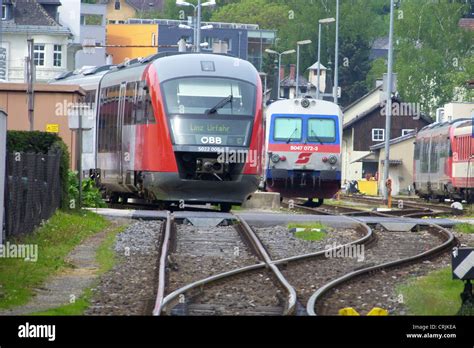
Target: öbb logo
x,y
303,158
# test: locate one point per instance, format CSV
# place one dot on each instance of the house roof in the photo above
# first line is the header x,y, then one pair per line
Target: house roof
x,y
377,106
315,67
380,43
394,141
42,88
145,5
49,2
30,12
288,82
467,23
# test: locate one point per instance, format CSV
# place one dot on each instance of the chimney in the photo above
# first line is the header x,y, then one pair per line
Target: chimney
x,y
282,72
292,72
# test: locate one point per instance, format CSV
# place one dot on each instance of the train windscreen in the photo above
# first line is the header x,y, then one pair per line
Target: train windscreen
x,y
211,111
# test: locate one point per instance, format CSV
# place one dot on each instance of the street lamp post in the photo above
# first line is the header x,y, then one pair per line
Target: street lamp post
x,y
389,103
336,57
298,44
321,22
279,64
197,22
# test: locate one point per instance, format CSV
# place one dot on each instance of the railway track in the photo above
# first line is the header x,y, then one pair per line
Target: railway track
x,y
316,304
348,272
265,281
243,280
411,208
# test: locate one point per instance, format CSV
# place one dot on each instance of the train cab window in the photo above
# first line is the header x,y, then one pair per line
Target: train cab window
x,y
321,130
287,129
197,96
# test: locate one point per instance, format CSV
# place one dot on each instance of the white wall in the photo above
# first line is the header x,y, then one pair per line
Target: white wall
x,y
18,49
70,17
375,98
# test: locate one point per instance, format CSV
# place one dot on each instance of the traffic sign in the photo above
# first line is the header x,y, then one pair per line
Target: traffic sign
x,y
463,263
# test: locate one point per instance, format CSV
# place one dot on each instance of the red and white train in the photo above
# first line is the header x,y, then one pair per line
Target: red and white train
x,y
167,124
444,161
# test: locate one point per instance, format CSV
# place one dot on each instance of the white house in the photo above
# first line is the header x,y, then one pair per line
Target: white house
x,y
28,19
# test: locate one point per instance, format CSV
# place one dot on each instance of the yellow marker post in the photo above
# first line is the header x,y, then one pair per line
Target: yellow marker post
x,y
348,311
378,311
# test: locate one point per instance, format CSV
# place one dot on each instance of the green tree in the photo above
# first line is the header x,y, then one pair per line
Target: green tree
x,y
431,51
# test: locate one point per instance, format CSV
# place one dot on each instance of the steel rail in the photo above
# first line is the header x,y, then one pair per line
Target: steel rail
x,y
291,301
450,240
162,265
162,302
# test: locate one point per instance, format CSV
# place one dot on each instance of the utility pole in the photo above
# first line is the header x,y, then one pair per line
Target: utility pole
x,y
336,57
30,76
198,27
388,105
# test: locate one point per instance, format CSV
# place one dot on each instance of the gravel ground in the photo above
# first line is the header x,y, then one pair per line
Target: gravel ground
x,y
281,243
129,288
203,252
249,294
380,290
307,276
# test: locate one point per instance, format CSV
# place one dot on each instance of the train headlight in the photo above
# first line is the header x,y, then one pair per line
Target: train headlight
x,y
305,103
275,158
332,159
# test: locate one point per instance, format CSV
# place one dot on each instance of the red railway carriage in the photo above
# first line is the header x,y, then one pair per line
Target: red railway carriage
x,y
167,125
444,161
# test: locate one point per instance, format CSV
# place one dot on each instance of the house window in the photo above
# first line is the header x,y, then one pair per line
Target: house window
x,y
39,54
406,131
91,19
58,55
4,11
117,5
378,134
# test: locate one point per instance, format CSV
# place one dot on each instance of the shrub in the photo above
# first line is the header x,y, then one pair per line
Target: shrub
x,y
91,196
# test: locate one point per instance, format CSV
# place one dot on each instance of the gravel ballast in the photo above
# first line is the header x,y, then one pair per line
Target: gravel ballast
x,y
129,287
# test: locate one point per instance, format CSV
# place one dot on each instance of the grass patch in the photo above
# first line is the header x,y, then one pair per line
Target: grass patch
x,y
76,308
106,259
55,240
308,233
464,227
105,253
434,294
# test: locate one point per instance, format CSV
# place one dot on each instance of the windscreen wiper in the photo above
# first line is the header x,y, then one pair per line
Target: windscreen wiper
x,y
291,135
313,134
220,105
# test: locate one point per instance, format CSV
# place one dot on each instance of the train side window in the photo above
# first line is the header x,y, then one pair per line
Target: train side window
x,y
287,129
129,103
149,113
434,156
417,150
139,105
425,152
